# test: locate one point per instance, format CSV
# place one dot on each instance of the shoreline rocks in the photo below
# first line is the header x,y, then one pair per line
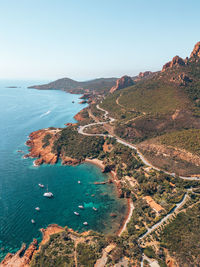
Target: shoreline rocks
x,y
38,150
22,257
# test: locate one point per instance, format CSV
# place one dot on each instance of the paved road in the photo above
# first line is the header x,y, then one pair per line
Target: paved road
x,y
155,226
123,142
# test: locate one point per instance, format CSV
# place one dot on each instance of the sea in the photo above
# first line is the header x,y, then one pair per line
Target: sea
x,y
23,111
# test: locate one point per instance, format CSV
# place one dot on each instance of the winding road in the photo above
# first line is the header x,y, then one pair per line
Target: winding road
x,y
125,143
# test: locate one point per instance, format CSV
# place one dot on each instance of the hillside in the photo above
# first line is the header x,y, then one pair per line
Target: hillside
x,y
100,85
160,114
168,101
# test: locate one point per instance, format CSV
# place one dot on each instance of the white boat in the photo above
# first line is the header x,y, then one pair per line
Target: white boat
x,y
76,213
79,182
85,223
48,194
94,208
37,208
32,221
81,207
41,185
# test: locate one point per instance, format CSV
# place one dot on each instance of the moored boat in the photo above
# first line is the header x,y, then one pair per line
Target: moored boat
x,y
37,208
95,209
32,221
41,185
81,207
76,213
85,223
48,194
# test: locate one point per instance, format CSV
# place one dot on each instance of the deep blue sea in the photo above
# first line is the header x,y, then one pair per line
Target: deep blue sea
x,y
25,110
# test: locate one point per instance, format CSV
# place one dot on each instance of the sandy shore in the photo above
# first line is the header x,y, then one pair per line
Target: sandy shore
x,y
127,218
96,162
130,205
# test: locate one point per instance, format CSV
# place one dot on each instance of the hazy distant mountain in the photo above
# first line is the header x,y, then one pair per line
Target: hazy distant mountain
x,y
66,84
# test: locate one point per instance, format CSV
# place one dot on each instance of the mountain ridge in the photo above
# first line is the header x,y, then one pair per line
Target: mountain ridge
x,y
72,86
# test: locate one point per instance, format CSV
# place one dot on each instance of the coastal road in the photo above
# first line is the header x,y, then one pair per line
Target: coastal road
x,y
125,143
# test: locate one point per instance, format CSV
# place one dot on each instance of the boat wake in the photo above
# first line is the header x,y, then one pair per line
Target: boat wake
x,y
45,114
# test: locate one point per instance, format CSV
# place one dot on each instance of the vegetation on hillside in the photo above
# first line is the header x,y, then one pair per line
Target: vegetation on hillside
x,y
153,97
185,139
165,107
46,139
101,85
58,251
158,105
181,237
70,143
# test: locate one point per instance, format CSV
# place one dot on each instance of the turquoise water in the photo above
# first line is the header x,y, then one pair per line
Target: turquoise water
x,y
25,110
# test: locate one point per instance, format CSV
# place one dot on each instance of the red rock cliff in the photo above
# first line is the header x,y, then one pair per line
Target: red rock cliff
x,y
196,50
121,83
176,61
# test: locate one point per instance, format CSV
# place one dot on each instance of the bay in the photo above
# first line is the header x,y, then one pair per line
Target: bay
x,y
25,110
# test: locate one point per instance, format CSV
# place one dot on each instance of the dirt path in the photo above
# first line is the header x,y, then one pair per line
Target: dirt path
x,y
117,102
102,261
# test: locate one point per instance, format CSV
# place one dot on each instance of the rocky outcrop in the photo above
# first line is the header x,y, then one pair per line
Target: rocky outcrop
x,y
176,61
70,161
80,115
121,83
44,153
40,150
50,230
85,96
182,79
83,102
145,74
196,51
70,124
22,257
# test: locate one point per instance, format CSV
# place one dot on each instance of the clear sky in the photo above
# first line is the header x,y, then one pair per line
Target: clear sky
x,y
84,39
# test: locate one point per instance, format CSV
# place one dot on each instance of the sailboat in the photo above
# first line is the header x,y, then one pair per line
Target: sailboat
x,y
48,194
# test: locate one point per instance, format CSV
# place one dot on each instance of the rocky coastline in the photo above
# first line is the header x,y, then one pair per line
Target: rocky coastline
x,y
43,154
